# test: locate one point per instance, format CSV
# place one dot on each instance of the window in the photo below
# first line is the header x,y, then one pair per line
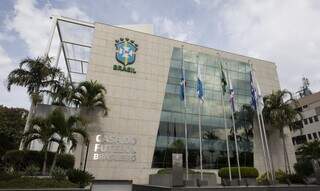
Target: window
x,y
309,136
305,121
296,125
310,120
316,118
294,140
299,139
315,135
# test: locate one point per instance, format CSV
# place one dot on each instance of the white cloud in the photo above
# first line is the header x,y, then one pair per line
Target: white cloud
x,y
6,37
197,1
33,23
17,97
179,30
135,16
285,32
4,58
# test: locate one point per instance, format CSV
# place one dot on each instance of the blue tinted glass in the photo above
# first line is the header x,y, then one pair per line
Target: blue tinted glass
x,y
171,133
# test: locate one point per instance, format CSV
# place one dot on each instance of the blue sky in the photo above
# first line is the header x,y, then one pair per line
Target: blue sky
x,y
286,32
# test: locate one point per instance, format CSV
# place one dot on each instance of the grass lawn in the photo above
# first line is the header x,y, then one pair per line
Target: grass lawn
x,y
27,182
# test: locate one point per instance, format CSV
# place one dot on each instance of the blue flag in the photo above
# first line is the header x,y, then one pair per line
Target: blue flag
x,y
182,86
253,93
200,92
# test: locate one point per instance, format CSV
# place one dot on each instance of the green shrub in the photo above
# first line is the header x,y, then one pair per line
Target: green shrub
x,y
246,172
82,178
5,175
59,174
304,168
19,160
281,177
32,170
33,183
65,161
295,179
14,159
262,180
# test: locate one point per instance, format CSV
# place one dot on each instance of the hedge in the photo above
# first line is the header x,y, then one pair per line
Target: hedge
x,y
19,160
169,171
246,172
304,168
33,183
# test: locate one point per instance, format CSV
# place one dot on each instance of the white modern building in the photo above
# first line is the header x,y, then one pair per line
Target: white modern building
x,y
142,75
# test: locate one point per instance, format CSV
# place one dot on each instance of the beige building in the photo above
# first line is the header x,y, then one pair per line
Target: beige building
x,y
307,129
142,75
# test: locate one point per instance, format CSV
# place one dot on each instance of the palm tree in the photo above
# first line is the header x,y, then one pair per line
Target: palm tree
x,y
279,112
310,150
43,131
210,135
90,95
66,130
62,93
244,119
178,146
36,75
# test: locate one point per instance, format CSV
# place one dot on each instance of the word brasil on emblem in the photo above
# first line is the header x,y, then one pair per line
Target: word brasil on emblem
x,y
125,54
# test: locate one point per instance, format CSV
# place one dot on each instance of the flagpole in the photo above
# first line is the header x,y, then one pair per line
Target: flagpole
x,y
200,133
260,130
185,118
268,151
235,134
225,121
270,163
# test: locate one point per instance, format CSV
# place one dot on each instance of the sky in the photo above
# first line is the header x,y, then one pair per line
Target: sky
x,y
286,32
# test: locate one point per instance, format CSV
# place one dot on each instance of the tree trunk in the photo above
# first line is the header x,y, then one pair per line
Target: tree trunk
x,y
44,167
285,152
54,160
27,126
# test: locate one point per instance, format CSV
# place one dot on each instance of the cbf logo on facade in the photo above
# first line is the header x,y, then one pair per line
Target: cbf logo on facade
x,y
125,54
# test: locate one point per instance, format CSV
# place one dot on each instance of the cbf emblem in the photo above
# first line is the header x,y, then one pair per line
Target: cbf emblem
x,y
125,54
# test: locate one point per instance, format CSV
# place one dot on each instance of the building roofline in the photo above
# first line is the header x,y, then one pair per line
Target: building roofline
x,y
201,46
310,99
92,24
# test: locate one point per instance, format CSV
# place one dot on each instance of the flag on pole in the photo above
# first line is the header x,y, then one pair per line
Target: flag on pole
x,y
223,80
259,97
232,97
253,92
182,85
200,92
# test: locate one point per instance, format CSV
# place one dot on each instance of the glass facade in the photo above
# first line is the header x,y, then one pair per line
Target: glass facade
x,y
171,135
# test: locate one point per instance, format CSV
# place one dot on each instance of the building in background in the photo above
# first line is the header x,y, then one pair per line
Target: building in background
x,y
307,129
142,75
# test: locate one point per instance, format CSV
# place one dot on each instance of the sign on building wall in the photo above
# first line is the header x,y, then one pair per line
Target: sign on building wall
x,y
125,54
113,147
